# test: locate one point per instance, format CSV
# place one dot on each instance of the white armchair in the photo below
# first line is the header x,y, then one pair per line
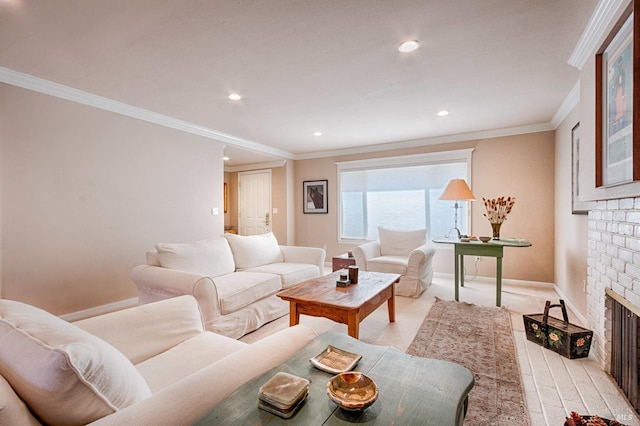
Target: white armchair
x,y
408,253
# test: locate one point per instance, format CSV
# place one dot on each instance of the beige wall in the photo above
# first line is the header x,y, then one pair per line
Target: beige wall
x,y
520,166
571,238
84,193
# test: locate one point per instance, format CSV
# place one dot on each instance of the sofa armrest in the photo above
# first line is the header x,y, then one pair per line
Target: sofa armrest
x,y
311,255
145,331
420,259
366,251
190,399
156,283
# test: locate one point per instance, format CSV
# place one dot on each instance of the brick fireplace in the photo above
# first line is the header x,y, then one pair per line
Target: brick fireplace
x,y
614,268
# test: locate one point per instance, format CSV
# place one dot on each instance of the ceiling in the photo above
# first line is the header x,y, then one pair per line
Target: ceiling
x,y
308,65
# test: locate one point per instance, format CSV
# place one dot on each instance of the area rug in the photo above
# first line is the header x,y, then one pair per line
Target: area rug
x,y
481,339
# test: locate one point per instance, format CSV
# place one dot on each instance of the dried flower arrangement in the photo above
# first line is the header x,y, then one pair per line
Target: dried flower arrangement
x,y
498,208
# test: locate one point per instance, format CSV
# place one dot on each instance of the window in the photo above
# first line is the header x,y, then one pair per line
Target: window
x,y
400,193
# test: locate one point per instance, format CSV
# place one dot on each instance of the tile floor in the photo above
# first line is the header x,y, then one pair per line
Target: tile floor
x,y
554,385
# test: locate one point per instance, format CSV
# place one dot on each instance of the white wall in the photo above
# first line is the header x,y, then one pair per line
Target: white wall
x,y
85,192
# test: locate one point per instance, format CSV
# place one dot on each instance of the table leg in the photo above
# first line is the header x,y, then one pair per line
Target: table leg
x,y
498,281
391,307
461,270
294,315
456,274
353,324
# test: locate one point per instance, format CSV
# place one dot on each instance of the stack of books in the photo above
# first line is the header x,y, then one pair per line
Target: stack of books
x,y
283,394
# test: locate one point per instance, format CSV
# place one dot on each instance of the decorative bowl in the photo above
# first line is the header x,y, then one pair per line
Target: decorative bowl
x,y
485,239
352,390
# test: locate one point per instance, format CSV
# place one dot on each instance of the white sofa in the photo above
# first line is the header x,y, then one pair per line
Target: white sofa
x,y
408,253
234,278
149,365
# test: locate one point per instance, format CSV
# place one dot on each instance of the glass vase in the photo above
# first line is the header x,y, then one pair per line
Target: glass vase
x,y
495,227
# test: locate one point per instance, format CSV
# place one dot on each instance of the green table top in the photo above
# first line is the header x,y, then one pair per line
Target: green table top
x,y
413,390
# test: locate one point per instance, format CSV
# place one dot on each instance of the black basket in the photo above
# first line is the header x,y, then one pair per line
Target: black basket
x,y
569,340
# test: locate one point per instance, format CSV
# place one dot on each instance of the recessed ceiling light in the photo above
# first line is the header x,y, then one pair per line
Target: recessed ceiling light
x,y
442,113
235,97
317,133
409,46
225,158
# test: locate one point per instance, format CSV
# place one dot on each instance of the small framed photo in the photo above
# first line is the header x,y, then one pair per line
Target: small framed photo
x,y
315,196
577,206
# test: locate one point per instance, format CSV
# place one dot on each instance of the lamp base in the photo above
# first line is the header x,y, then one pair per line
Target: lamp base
x,y
457,233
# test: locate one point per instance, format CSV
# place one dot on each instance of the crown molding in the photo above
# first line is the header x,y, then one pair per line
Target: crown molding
x,y
461,137
257,166
603,18
40,85
57,90
567,106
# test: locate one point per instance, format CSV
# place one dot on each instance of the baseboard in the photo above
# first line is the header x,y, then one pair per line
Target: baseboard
x,y
99,310
570,305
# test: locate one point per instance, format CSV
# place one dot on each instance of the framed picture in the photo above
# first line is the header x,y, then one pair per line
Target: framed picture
x,y
577,206
617,147
225,197
315,196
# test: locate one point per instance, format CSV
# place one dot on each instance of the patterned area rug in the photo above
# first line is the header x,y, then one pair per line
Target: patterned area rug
x,y
481,339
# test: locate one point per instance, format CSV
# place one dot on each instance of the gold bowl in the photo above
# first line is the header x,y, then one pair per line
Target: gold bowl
x,y
352,390
485,239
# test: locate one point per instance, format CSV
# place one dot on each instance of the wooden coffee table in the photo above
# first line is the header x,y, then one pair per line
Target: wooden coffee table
x,y
320,297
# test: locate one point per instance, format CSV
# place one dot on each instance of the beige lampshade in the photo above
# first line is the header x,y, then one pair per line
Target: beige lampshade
x,y
456,190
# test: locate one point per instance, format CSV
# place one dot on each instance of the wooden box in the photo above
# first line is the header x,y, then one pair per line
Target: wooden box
x,y
569,340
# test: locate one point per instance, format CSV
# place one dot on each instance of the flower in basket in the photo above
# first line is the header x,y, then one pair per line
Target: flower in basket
x,y
497,211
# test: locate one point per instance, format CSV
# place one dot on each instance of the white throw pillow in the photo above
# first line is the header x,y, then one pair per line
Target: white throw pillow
x,y
254,250
400,243
210,258
64,374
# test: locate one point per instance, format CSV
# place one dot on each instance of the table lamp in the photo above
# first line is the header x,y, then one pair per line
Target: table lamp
x,y
457,190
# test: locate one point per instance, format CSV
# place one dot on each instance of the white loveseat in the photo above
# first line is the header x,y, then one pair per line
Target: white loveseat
x,y
149,365
408,253
234,278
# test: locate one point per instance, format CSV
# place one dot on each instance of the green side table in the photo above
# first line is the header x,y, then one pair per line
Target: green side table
x,y
493,248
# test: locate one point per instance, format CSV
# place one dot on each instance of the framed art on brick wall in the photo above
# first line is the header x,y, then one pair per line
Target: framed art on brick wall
x,y
617,104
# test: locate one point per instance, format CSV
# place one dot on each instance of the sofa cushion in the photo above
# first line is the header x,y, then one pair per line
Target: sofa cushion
x,y
388,264
290,273
186,358
400,243
65,375
13,410
254,250
210,257
178,319
240,289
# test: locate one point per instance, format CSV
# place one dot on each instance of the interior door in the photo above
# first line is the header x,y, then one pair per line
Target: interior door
x,y
254,202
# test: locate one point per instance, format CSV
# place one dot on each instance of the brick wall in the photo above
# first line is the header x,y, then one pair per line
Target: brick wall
x,y
613,262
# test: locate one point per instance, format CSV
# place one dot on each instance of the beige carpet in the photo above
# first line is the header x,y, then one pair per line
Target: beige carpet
x,y
481,339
